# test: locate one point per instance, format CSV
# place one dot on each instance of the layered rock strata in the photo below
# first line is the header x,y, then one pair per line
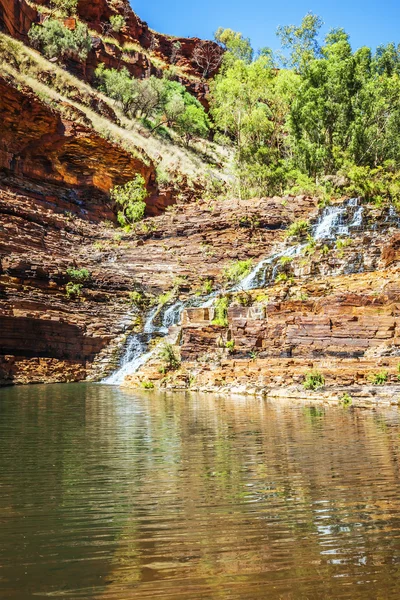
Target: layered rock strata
x,y
337,315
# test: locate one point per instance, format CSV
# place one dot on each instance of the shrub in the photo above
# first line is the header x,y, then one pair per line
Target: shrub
x,y
131,198
237,270
64,8
168,356
117,23
310,248
138,299
346,400
55,40
221,312
78,275
164,298
285,260
73,290
147,385
282,277
342,243
374,184
298,229
379,378
207,287
193,122
230,346
314,381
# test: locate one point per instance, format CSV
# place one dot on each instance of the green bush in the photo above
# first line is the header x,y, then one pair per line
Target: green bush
x,y
237,270
138,299
147,385
131,198
78,275
73,290
346,400
169,358
221,312
298,229
164,298
207,287
117,23
285,260
284,277
230,346
310,247
314,381
55,40
377,185
379,378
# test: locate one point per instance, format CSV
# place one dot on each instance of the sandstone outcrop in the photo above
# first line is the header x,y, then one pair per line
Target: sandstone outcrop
x,y
337,314
16,17
39,143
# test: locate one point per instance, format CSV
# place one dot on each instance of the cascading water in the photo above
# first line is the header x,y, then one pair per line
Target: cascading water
x,y
157,325
135,354
335,221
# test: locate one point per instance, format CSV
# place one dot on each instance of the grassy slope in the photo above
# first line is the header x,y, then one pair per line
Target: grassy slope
x,y
64,92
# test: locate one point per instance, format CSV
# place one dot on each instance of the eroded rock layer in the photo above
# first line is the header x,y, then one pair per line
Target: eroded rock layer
x,y
332,311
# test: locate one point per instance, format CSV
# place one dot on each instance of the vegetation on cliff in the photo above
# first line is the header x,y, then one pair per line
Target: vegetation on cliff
x,y
320,117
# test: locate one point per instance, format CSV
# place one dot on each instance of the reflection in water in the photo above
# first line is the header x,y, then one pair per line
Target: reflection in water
x,y
108,494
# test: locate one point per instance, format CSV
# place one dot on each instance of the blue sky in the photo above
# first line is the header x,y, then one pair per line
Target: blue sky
x,y
369,22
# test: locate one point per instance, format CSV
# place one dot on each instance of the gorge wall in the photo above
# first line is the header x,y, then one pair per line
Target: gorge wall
x,y
332,310
332,307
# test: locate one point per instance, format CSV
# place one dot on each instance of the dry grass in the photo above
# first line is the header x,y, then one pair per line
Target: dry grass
x,y
55,86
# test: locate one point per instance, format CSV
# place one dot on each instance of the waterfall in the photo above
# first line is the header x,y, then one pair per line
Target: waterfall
x,y
335,221
136,352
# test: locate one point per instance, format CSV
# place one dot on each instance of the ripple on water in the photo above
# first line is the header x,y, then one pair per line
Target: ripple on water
x,y
115,495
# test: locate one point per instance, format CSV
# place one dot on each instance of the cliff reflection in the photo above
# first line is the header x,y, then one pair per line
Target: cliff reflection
x,y
108,494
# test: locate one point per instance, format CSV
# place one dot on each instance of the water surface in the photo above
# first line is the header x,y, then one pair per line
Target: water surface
x,y
111,494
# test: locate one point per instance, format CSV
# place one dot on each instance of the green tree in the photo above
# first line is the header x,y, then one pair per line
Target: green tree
x,y
57,41
163,101
249,103
301,41
130,197
193,122
236,46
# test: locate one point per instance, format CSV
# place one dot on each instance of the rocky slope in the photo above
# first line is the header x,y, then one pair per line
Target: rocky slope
x,y
63,146
45,230
331,310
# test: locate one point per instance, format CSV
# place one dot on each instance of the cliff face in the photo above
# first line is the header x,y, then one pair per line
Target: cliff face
x,y
62,148
38,143
16,17
44,231
331,310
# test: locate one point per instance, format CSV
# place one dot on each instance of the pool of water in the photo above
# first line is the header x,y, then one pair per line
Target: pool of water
x,y
112,494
